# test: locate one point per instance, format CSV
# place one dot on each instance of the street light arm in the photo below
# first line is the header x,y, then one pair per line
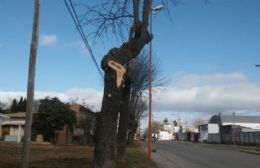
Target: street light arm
x,y
157,8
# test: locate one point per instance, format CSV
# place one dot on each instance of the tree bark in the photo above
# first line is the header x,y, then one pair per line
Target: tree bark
x,y
105,150
123,121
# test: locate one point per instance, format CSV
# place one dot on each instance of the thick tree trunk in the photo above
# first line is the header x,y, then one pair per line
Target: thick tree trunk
x,y
106,149
123,121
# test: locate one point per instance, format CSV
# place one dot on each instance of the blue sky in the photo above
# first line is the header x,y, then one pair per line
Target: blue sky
x,y
215,40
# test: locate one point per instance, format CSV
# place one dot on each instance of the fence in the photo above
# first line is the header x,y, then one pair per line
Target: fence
x,y
243,138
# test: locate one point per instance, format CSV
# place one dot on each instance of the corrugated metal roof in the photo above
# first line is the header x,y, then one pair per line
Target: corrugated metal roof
x,y
238,119
13,123
17,115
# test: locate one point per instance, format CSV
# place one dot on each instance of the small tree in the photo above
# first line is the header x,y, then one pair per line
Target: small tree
x,y
198,121
21,105
2,107
14,106
165,121
156,126
52,115
140,84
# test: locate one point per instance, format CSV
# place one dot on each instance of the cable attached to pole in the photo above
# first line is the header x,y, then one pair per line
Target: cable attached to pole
x,y
75,19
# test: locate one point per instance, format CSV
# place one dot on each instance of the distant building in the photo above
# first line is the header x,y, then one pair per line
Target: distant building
x,y
203,132
3,117
83,131
228,129
167,132
13,128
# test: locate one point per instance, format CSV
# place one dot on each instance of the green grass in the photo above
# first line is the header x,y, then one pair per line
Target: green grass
x,y
136,158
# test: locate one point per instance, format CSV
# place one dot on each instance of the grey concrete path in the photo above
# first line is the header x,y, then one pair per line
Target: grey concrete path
x,y
172,154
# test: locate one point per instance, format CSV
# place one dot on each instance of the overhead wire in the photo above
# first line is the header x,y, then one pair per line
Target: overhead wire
x,y
76,21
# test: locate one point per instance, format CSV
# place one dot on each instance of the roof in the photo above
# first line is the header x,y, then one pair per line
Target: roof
x,y
4,116
13,123
230,119
17,115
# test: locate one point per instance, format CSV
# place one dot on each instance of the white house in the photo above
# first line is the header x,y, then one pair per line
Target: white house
x,y
212,130
3,118
15,130
12,129
166,133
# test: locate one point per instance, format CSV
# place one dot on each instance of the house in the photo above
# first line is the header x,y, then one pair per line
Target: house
x,y
230,128
13,127
3,117
167,132
83,132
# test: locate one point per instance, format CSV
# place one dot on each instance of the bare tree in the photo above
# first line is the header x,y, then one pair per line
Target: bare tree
x,y
198,121
133,106
121,18
139,86
156,126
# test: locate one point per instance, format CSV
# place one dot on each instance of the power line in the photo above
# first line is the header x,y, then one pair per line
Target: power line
x,y
75,19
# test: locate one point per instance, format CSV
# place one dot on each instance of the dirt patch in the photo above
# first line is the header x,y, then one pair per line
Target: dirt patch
x,y
50,156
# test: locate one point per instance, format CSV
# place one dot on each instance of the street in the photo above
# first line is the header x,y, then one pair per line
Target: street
x,y
170,154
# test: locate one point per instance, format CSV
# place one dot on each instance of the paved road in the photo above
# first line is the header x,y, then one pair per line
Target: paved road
x,y
187,155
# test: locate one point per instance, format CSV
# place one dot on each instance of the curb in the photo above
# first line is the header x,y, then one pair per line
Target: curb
x,y
250,152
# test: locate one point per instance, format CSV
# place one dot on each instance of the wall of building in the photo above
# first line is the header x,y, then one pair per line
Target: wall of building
x,y
213,128
203,135
165,135
214,138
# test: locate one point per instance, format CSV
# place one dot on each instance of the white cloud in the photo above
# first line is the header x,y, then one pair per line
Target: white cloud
x,y
209,94
182,79
89,97
48,40
188,97
191,96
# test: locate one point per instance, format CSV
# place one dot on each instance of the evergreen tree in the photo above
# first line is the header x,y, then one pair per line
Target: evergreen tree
x,y
24,105
14,107
1,107
52,115
20,105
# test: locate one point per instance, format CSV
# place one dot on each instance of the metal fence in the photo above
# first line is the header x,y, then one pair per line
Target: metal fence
x,y
243,138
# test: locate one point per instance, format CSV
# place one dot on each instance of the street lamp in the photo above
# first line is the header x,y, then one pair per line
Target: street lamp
x,y
153,10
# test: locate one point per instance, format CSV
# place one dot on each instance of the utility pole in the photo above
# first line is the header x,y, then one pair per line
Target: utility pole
x,y
152,10
30,87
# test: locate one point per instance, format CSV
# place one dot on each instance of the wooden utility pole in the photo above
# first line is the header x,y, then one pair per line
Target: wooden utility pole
x,y
30,87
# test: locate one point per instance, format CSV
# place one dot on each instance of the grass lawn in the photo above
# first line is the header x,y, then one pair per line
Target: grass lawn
x,y
49,156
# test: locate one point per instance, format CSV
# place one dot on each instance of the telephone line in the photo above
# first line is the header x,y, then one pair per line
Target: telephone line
x,y
75,19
